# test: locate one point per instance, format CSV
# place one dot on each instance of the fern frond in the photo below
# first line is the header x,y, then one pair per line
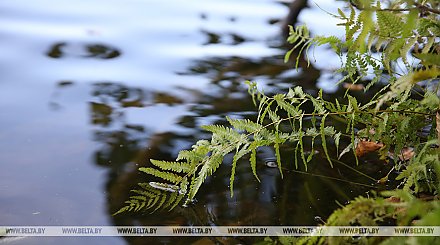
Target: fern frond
x,y
367,25
405,49
404,84
245,124
222,132
278,157
291,110
178,167
324,131
429,27
238,154
390,24
428,45
171,177
209,165
299,36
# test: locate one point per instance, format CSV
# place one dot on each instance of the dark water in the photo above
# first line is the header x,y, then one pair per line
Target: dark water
x,y
91,90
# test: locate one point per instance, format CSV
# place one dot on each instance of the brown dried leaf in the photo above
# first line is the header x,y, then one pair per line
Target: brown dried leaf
x,y
406,153
398,210
353,87
363,147
393,199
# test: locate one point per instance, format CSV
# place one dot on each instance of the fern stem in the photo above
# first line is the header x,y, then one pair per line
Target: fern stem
x,y
314,115
424,7
408,112
340,113
419,6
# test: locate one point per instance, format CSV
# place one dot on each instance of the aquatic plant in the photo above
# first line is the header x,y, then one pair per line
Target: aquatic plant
x,y
394,45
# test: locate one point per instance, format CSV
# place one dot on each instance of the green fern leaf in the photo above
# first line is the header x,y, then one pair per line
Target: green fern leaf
x,y
324,142
210,164
390,24
177,202
428,45
170,200
278,156
223,133
411,23
179,167
290,109
238,154
162,201
163,175
405,49
253,162
245,124
429,59
153,201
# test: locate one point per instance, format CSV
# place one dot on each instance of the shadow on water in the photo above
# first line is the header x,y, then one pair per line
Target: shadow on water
x,y
92,50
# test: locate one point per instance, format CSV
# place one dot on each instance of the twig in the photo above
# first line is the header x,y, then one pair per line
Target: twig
x,y
418,6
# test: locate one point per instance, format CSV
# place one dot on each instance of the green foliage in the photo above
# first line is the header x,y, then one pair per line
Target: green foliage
x,y
401,116
401,207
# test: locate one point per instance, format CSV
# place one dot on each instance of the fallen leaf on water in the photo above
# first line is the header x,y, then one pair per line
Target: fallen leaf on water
x,y
364,146
353,87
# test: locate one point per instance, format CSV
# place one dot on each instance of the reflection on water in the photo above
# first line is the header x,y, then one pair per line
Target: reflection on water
x,y
98,51
81,115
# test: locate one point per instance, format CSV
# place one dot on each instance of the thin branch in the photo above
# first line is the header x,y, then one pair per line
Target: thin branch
x,y
426,8
419,6
395,10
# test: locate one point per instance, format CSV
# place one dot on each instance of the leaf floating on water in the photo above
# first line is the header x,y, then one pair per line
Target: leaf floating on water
x,y
363,147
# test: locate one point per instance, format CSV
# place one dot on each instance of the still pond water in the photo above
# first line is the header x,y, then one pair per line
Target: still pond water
x,y
91,90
